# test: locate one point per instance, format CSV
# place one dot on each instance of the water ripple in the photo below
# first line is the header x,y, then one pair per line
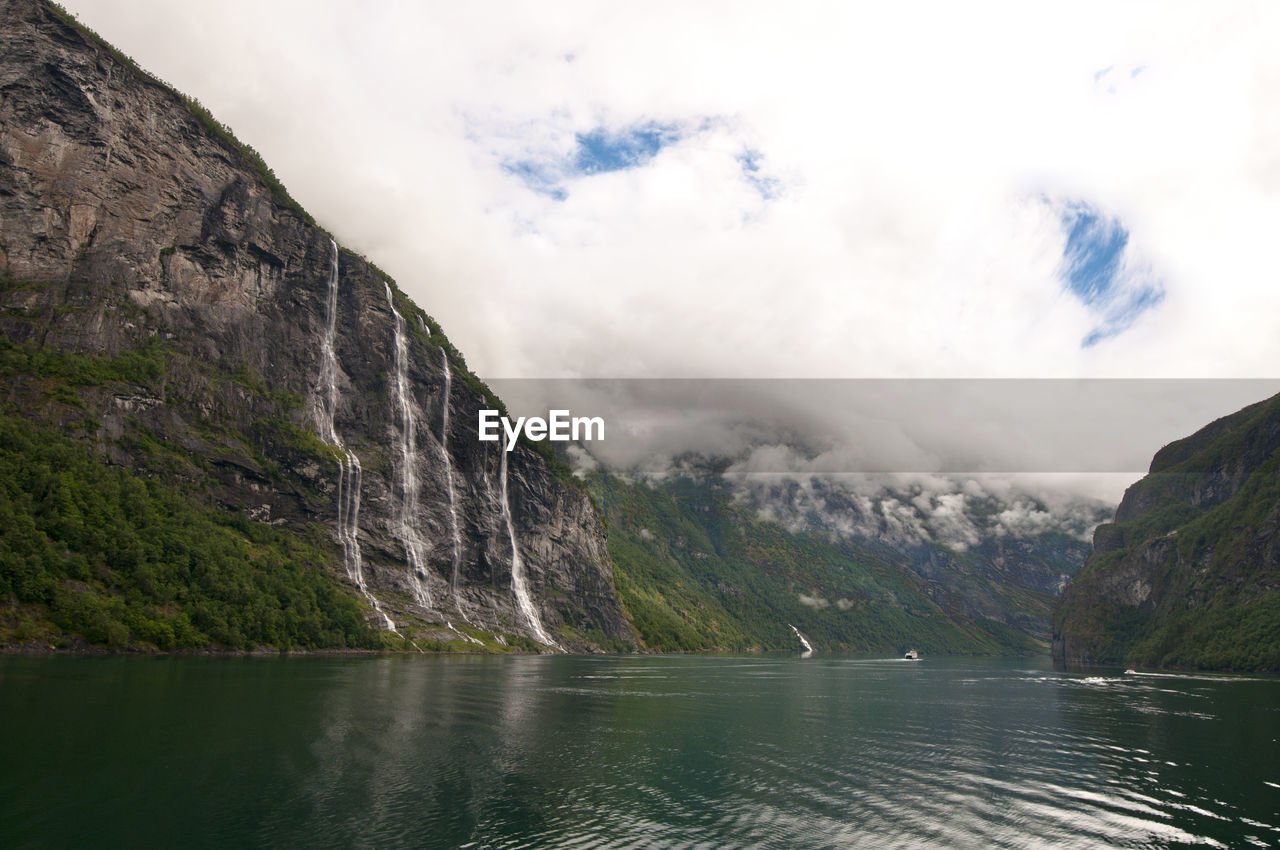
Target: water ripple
x,y
642,752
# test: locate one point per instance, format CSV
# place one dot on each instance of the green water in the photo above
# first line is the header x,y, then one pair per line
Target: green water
x,y
630,752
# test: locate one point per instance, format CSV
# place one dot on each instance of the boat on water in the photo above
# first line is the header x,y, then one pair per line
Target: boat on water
x,y
912,655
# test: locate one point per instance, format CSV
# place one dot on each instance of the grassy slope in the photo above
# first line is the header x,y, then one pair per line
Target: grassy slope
x,y
697,571
1219,606
96,553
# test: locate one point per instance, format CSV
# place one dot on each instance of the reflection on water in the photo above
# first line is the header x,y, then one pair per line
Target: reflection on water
x,y
631,751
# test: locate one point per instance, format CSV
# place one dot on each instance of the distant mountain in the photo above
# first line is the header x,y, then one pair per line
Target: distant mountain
x,y
219,429
1188,574
704,560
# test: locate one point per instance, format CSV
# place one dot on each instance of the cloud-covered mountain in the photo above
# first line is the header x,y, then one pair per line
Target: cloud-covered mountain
x,y
707,556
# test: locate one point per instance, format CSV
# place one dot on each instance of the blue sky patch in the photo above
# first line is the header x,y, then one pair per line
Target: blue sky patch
x,y
1113,78
750,160
1124,313
553,164
597,151
542,177
1097,269
1092,257
601,150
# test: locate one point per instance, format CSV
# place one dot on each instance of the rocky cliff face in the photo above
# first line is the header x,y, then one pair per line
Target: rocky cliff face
x,y
294,381
1188,575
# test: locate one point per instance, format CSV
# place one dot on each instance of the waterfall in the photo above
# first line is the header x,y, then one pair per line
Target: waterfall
x,y
408,530
454,528
808,647
349,472
448,465
518,585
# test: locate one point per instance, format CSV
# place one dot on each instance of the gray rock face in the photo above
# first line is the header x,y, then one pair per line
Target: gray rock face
x,y
131,223
1188,574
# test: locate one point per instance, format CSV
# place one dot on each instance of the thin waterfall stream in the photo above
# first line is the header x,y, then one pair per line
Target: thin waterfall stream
x,y
448,464
452,491
349,471
407,528
519,585
808,647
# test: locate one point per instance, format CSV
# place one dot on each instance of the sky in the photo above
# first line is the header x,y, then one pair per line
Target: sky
x,y
747,191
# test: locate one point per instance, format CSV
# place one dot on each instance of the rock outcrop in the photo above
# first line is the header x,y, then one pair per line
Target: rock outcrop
x,y
1188,575
130,221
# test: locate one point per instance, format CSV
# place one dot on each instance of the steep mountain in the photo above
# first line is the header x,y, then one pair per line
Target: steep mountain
x,y
1188,574
704,561
222,429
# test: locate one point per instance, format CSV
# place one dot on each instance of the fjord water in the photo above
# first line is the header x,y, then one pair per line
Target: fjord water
x,y
630,752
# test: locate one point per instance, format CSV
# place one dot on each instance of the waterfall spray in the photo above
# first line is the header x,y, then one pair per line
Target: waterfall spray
x,y
408,531
349,471
448,465
518,584
454,531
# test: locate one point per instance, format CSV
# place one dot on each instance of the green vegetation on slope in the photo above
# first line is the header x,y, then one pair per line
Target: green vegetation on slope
x,y
1215,601
696,570
199,435
97,553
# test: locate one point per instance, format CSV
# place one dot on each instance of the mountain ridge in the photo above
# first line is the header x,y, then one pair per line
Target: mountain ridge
x,y
1188,573
181,333
167,304
702,563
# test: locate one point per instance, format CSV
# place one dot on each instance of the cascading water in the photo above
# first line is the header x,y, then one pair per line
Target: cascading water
x,y
518,584
453,496
808,647
408,531
448,465
349,471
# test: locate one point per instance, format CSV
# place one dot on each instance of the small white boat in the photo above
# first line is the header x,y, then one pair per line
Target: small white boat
x,y
912,655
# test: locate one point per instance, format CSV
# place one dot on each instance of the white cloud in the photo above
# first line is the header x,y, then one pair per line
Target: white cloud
x,y
1092,436
913,146
947,518
912,509
905,133
817,603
